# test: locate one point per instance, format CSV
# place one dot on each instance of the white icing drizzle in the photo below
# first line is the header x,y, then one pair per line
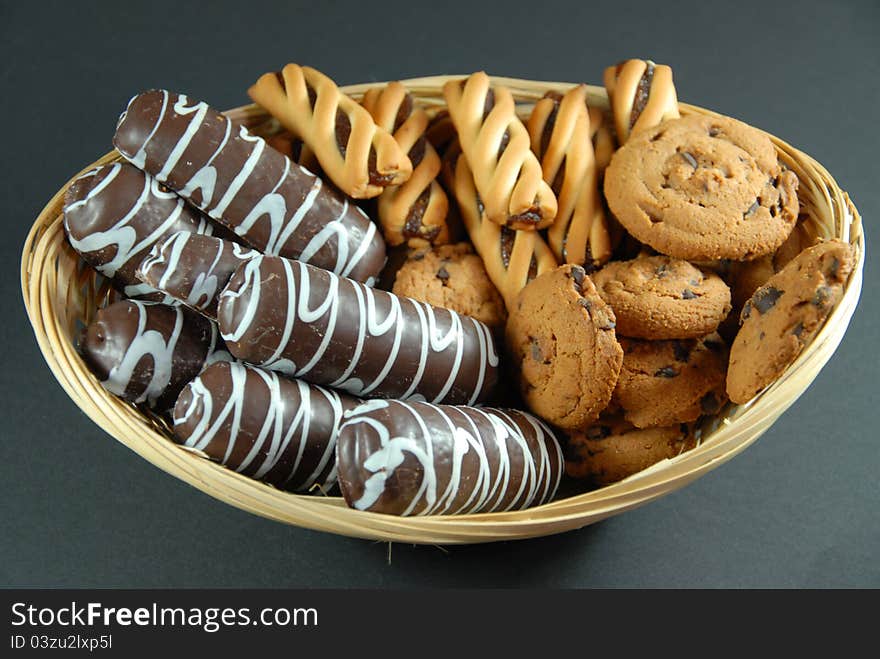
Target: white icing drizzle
x,y
140,158
122,236
276,437
271,206
205,285
199,110
147,342
489,439
436,331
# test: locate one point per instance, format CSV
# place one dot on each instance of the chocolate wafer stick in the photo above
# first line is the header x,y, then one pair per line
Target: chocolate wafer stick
x,y
421,459
302,321
275,205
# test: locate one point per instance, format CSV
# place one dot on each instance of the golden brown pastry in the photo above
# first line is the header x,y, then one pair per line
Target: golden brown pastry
x,y
496,144
361,158
641,95
604,142
512,258
415,211
559,128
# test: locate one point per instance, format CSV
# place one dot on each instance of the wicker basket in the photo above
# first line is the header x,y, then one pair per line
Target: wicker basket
x,y
61,294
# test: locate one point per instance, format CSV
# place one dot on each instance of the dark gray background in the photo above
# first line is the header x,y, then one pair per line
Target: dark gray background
x,y
799,508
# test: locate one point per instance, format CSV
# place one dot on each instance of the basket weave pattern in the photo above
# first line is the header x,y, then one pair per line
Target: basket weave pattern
x,y
61,294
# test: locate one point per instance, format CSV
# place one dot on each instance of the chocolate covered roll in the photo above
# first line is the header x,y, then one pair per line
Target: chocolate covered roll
x,y
145,352
262,425
421,459
193,269
114,214
275,205
309,323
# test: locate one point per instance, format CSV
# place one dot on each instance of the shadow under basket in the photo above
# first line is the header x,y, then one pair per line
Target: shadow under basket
x,y
61,294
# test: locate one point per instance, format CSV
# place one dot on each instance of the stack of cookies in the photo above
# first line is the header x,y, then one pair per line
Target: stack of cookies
x,y
442,310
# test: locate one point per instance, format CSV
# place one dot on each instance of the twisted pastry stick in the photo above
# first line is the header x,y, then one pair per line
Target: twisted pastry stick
x,y
512,258
641,94
359,157
496,144
415,211
559,127
604,142
604,145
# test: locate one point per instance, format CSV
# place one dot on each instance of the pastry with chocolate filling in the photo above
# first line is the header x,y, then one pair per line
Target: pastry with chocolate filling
x,y
414,212
361,158
641,95
512,258
560,132
497,147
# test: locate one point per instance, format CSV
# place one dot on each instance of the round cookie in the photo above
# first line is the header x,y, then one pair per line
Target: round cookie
x,y
659,297
453,277
561,338
703,188
745,277
784,315
612,449
662,383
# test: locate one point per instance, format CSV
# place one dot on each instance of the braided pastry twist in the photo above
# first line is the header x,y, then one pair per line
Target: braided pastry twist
x,y
496,144
604,141
641,94
415,211
559,127
512,258
358,156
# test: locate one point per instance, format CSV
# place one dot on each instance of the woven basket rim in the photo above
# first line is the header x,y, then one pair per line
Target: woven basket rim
x,y
45,288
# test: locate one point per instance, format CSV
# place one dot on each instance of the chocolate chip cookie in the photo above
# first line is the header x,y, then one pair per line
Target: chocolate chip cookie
x,y
453,277
784,315
612,449
745,277
662,383
703,188
560,335
659,297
